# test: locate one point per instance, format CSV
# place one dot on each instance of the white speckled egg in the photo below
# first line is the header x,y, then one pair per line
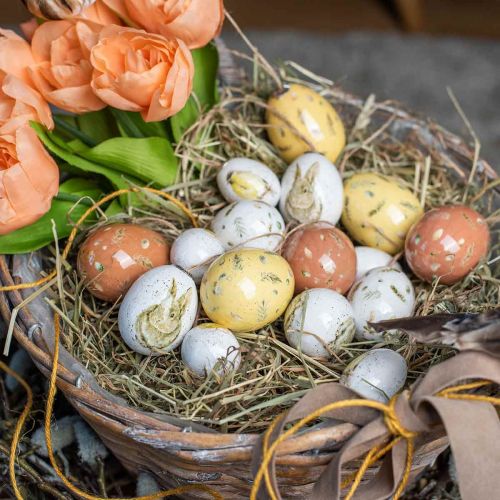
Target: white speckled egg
x,y
246,179
249,224
319,318
377,374
158,310
210,346
368,258
311,190
194,250
382,293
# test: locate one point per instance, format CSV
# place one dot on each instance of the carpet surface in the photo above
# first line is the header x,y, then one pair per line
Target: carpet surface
x,y
415,70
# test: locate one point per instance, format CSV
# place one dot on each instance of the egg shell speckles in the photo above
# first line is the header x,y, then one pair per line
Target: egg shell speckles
x,y
114,256
321,256
377,374
378,212
246,289
369,258
249,224
307,115
194,250
208,345
318,321
158,310
447,242
246,179
383,293
311,190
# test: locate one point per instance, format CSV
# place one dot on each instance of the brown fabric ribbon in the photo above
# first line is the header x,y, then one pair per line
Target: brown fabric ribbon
x,y
472,427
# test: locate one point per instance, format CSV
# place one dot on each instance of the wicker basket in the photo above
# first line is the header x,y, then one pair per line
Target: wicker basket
x,y
178,452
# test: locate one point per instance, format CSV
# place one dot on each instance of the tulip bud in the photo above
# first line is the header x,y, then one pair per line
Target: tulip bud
x,y
57,9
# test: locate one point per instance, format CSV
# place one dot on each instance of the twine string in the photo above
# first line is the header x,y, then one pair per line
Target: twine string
x,y
86,215
48,437
394,426
19,426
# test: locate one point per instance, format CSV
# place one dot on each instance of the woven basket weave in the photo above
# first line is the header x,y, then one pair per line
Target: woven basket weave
x,y
177,452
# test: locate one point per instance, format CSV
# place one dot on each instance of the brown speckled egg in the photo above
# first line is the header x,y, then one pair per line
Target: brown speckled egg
x,y
321,256
114,256
447,242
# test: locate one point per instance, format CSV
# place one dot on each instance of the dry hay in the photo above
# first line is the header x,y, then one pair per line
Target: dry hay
x,y
272,375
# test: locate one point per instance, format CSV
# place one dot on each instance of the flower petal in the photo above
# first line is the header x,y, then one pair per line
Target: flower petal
x,y
15,54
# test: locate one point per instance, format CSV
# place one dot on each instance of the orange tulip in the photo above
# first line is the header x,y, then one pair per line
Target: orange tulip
x,y
62,71
139,71
15,55
196,22
19,103
29,179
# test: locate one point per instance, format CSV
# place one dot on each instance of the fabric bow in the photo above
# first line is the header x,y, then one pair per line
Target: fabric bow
x,y
432,405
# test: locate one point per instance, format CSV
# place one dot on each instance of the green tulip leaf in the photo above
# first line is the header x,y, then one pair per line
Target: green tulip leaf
x,y
206,64
132,125
150,159
74,198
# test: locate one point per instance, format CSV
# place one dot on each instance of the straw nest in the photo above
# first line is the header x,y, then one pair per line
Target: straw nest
x,y
272,375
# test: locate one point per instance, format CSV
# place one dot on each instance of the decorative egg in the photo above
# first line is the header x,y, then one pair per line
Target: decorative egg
x,y
369,258
382,293
301,120
194,250
311,190
321,256
447,242
249,224
246,289
378,212
246,179
377,374
318,321
210,346
114,256
158,310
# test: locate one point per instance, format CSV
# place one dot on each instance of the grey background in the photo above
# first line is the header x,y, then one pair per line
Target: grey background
x,y
413,69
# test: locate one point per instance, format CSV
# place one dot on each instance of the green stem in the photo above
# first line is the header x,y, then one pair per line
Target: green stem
x,y
75,132
127,123
74,198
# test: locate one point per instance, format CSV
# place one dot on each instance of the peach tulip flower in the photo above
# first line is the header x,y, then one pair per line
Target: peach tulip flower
x,y
196,22
20,103
139,71
62,71
29,179
15,55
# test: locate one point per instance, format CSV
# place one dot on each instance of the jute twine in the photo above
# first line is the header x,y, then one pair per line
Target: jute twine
x,y
394,426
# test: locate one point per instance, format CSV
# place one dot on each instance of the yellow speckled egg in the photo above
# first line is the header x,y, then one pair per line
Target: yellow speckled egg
x,y
246,289
301,113
378,212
